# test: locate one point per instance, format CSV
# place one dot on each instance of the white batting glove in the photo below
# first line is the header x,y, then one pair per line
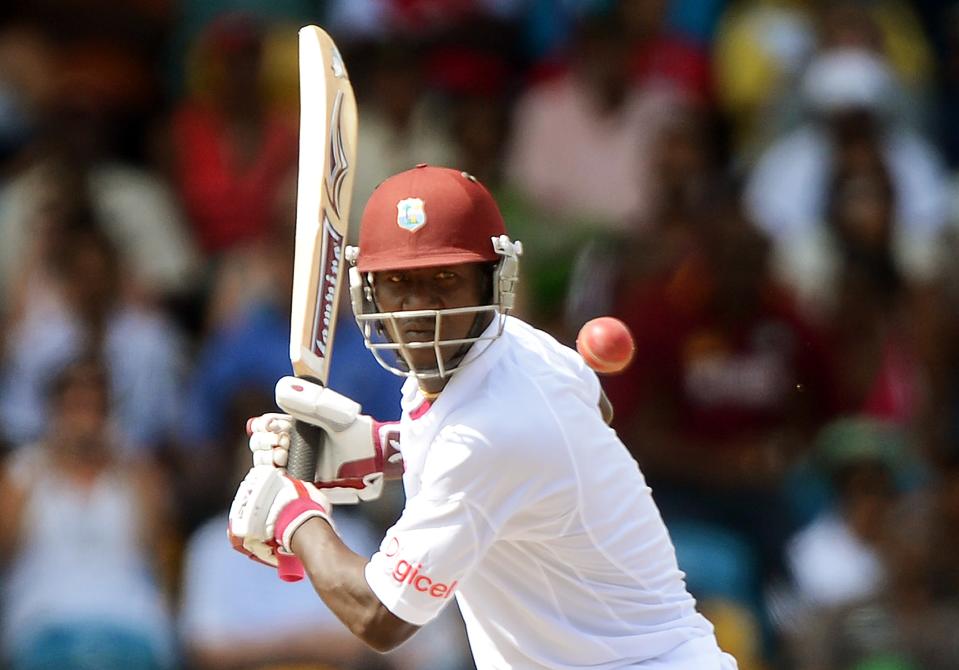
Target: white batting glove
x,y
270,438
268,509
358,454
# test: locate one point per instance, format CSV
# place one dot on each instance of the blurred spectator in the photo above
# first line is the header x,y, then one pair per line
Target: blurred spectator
x,y
478,88
580,143
850,94
81,533
134,208
237,614
890,28
106,56
762,48
661,54
82,306
836,559
258,271
759,52
910,623
232,148
402,123
611,169
75,131
687,188
874,324
727,382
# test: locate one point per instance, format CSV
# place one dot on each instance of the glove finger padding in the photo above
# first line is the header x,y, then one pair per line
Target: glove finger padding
x,y
270,448
270,439
271,422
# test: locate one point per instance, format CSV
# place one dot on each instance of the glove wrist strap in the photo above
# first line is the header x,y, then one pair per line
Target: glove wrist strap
x,y
294,515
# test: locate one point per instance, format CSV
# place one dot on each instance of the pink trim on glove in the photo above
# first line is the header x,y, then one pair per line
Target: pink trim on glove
x,y
385,433
295,514
358,469
294,511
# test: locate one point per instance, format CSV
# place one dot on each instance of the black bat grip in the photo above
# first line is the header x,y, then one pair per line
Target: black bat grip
x,y
306,440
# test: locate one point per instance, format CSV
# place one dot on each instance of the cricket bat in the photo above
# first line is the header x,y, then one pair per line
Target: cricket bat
x,y
324,188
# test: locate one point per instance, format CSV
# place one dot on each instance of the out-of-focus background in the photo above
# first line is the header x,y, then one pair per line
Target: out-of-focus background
x,y
764,190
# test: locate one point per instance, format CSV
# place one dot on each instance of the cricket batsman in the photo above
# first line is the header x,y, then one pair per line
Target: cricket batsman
x,y
521,502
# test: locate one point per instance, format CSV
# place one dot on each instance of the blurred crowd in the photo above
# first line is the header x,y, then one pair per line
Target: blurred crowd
x,y
764,190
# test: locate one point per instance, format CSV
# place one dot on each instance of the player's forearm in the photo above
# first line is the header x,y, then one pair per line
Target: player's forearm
x,y
337,574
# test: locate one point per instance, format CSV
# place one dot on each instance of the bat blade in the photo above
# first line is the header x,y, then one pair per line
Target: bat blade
x,y
328,127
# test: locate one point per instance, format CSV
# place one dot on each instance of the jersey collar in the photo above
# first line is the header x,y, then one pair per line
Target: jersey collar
x,y
480,362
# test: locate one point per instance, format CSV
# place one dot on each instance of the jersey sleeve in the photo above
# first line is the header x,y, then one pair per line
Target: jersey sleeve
x,y
426,555
444,531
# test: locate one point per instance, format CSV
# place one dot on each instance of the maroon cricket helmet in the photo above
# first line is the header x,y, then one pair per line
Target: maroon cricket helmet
x,y
428,216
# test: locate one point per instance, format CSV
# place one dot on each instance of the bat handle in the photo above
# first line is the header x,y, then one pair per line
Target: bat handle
x,y
288,567
306,440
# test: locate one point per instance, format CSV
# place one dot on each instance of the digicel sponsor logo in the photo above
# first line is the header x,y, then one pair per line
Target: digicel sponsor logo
x,y
405,573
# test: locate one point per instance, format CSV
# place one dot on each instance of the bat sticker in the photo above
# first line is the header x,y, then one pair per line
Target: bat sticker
x,y
331,253
339,160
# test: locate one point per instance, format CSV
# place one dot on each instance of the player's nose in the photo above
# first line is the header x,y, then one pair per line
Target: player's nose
x,y
422,296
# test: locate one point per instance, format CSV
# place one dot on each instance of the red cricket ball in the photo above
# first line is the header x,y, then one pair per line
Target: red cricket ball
x,y
606,345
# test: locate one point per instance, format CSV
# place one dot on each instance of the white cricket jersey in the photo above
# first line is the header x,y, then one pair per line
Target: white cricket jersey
x,y
524,505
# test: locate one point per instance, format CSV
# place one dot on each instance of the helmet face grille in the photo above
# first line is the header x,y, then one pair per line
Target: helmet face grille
x,y
450,355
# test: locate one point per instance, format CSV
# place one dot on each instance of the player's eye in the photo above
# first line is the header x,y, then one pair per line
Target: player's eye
x,y
445,275
395,278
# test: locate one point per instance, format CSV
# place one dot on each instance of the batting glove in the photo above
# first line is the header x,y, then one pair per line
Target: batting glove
x,y
257,550
358,454
268,509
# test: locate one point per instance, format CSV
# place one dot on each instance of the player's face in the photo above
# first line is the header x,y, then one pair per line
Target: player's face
x,y
442,287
